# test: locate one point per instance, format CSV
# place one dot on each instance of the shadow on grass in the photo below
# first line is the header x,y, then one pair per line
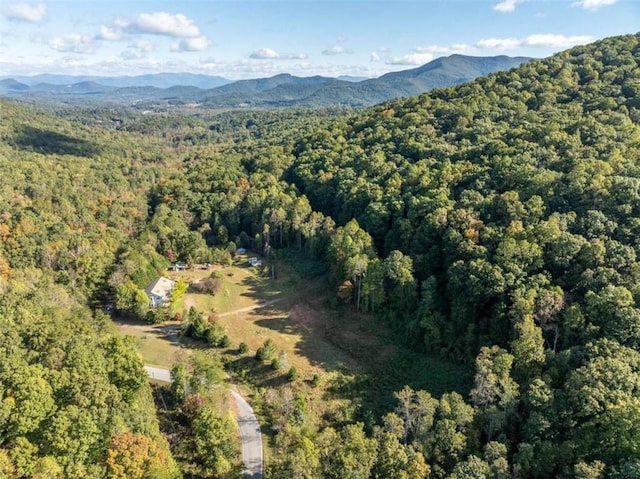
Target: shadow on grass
x,y
261,288
295,273
364,363
261,372
370,367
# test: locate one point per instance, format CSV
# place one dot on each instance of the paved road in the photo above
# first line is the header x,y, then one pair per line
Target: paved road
x,y
251,438
159,374
250,435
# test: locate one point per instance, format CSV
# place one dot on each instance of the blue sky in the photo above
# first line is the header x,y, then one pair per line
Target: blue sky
x,y
248,39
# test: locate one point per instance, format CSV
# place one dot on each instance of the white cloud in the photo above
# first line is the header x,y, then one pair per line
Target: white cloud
x,y
425,54
338,47
121,22
39,36
271,54
73,44
161,23
499,43
379,54
546,40
26,13
241,69
506,6
442,50
137,50
196,44
551,40
143,45
109,34
411,59
157,23
336,50
131,54
593,4
209,61
264,54
294,56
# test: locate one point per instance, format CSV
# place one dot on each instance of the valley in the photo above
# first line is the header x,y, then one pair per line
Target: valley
x,y
440,286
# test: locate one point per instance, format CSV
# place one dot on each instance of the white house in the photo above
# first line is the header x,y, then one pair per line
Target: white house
x,y
159,291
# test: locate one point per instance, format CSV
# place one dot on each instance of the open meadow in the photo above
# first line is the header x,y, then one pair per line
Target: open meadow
x,y
344,366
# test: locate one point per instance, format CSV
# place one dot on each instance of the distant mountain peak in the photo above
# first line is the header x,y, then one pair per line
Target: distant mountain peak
x,y
281,90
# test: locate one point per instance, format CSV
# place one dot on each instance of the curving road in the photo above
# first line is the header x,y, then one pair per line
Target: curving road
x,y
250,434
251,438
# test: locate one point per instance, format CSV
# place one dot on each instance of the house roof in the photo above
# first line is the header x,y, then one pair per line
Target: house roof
x,y
160,287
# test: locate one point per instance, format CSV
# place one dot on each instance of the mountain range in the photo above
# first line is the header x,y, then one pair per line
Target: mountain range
x,y
157,80
283,90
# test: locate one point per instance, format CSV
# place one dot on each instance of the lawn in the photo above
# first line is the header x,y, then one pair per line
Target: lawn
x,y
156,343
242,287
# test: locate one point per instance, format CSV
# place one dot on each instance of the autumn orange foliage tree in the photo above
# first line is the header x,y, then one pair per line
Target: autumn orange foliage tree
x,y
136,456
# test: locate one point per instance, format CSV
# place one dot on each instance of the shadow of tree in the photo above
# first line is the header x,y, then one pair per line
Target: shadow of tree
x,y
261,288
262,373
53,143
370,364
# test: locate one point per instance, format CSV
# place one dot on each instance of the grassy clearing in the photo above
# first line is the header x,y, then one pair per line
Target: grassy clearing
x,y
346,363
155,342
242,287
357,367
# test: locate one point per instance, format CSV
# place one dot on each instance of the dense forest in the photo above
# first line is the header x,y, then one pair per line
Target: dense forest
x,y
493,224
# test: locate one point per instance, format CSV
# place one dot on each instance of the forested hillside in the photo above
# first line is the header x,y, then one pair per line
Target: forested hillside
x,y
75,401
524,181
503,217
493,225
94,205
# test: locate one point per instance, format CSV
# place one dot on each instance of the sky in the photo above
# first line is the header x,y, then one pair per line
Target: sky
x,y
250,39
